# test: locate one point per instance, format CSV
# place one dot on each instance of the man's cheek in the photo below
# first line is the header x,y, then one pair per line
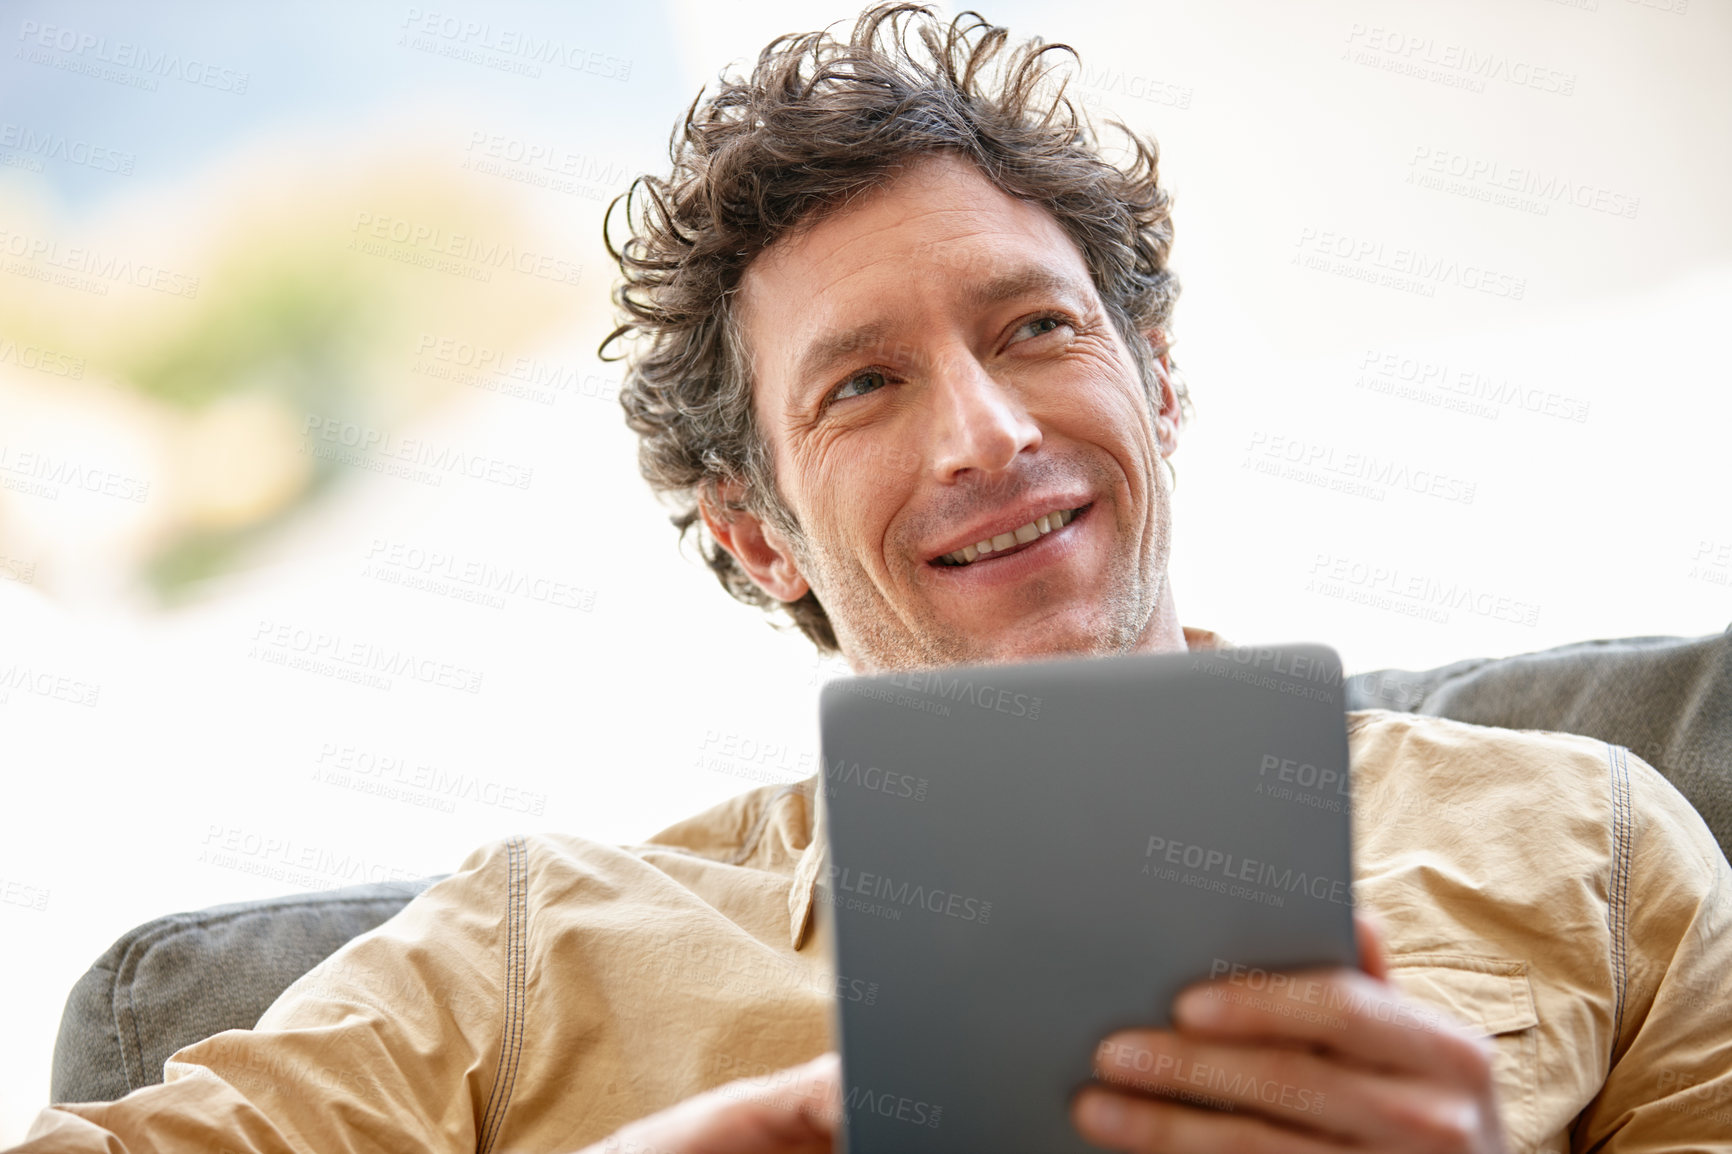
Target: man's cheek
x,y
928,579
890,464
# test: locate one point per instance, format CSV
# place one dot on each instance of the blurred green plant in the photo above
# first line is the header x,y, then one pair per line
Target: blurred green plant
x,y
291,321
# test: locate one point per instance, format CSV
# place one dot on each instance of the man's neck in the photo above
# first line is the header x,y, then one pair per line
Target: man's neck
x,y
1162,634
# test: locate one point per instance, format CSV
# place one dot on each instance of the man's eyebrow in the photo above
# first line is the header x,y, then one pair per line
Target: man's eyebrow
x,y
1024,281
823,353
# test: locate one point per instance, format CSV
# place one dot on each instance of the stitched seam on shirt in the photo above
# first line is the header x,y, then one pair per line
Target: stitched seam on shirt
x,y
511,1037
756,834
1618,899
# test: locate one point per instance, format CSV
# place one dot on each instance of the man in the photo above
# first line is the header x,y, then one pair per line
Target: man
x,y
905,362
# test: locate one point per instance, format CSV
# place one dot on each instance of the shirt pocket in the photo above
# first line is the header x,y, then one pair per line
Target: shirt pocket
x,y
1493,998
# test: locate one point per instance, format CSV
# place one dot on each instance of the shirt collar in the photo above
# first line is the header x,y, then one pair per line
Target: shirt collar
x,y
803,894
804,891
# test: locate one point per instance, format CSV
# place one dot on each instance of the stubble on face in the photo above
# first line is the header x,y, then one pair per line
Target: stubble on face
x,y
876,635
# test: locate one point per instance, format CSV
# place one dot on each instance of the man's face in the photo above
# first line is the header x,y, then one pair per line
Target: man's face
x,y
934,370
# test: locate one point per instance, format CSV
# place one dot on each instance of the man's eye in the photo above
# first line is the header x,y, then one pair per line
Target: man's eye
x,y
859,384
1040,326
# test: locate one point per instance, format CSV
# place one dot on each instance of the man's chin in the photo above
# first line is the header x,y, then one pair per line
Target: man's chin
x,y
1065,635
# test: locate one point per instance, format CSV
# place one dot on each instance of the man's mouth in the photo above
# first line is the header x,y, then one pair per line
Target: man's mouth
x,y
1013,540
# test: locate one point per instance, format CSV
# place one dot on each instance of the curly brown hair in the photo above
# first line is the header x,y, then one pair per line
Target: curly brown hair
x,y
817,122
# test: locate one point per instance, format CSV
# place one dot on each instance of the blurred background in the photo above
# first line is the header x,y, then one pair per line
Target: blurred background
x,y
323,554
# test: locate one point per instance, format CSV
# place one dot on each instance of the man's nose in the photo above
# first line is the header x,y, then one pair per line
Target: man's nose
x,y
977,422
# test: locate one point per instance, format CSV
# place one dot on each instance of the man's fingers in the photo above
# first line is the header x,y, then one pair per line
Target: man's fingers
x,y
1341,1011
1303,1090
787,1108
817,1084
1368,933
1292,1087
1120,1122
792,1111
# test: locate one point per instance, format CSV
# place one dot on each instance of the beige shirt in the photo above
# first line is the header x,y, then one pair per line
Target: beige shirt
x,y
1553,892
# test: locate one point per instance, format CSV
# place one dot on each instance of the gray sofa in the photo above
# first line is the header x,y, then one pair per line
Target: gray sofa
x,y
1667,699
181,978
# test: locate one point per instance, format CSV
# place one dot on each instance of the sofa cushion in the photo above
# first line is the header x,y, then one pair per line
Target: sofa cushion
x,y
181,978
1668,700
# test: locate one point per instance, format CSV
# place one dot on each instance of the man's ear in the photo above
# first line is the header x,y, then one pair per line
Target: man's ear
x,y
1166,395
760,550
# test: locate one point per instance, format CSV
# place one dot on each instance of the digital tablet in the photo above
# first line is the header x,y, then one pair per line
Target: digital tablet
x,y
1025,858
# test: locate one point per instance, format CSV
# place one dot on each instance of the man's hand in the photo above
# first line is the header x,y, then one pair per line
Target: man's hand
x,y
792,1111
1307,1062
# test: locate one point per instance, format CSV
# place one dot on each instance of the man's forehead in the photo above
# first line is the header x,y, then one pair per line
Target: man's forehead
x,y
939,198
934,190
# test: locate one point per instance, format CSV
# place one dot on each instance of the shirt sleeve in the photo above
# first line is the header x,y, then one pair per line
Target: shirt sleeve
x,y
1669,1086
394,1042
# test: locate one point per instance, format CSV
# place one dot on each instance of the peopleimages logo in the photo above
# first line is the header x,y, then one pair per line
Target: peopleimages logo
x,y
1287,669
59,687
897,1106
875,780
47,145
39,254
881,887
38,474
1228,868
1323,1002
346,442
1364,258
482,42
469,255
86,52
348,659
1303,774
946,686
1170,1074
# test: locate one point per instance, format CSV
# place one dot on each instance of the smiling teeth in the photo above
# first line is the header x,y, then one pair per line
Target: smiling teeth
x,y
1045,523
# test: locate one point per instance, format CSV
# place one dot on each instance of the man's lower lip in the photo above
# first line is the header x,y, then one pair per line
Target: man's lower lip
x,y
1007,554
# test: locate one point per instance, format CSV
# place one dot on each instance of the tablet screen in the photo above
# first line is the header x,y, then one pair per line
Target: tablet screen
x,y
1026,858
